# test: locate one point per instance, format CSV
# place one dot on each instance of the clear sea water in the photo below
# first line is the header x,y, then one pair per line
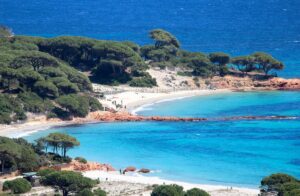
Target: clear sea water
x,y
238,27
236,153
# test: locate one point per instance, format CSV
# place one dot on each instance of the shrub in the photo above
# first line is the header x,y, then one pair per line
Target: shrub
x,y
99,192
32,102
10,109
17,186
295,192
85,192
282,183
196,192
46,89
51,115
94,104
168,190
45,172
276,179
143,82
288,187
68,181
75,104
81,159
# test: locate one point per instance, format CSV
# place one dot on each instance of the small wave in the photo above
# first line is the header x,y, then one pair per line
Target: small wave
x,y
155,171
294,41
27,133
172,99
142,108
146,106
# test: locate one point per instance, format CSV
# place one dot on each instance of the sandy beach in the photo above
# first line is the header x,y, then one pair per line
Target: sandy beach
x,y
134,178
132,99
134,183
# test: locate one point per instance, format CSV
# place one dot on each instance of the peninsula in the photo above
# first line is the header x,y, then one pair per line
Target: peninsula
x,y
67,80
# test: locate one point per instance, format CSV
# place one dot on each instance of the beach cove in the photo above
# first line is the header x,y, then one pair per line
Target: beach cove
x,y
118,141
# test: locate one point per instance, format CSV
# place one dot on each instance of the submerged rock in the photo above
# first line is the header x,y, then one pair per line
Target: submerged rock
x,y
129,169
144,170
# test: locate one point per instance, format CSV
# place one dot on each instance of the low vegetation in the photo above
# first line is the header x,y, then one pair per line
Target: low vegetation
x,y
281,184
176,190
18,154
81,159
68,182
17,186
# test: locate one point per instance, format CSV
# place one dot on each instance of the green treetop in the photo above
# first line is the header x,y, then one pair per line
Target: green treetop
x,y
266,62
61,141
68,182
5,32
221,59
244,63
163,38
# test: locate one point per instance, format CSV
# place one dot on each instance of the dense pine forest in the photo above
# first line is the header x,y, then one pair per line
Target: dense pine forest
x,y
53,76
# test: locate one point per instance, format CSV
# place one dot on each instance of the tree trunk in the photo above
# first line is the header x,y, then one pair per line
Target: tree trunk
x,y
65,193
2,165
65,151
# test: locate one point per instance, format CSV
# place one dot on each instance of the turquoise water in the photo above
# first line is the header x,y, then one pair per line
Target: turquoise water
x,y
236,153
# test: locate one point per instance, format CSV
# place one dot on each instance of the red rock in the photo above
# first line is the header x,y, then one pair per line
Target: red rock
x,y
143,170
130,169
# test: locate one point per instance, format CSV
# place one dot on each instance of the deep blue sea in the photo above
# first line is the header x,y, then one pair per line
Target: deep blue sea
x,y
235,153
238,153
238,27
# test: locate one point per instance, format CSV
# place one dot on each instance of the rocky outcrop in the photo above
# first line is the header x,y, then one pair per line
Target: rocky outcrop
x,y
144,170
78,166
129,169
279,84
124,116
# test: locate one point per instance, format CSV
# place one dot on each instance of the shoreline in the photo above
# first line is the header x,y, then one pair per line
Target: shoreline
x,y
136,100
139,105
134,104
214,190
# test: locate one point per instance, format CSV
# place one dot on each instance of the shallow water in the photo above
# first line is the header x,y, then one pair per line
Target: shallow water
x,y
236,153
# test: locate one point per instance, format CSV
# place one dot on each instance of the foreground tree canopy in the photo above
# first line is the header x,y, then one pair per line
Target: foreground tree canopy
x,y
17,186
18,154
176,190
283,184
68,181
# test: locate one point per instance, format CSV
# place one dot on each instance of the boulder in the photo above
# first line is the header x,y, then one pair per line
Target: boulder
x,y
143,170
129,169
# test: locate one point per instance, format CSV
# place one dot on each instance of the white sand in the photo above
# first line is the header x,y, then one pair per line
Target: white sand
x,y
29,127
134,99
214,190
